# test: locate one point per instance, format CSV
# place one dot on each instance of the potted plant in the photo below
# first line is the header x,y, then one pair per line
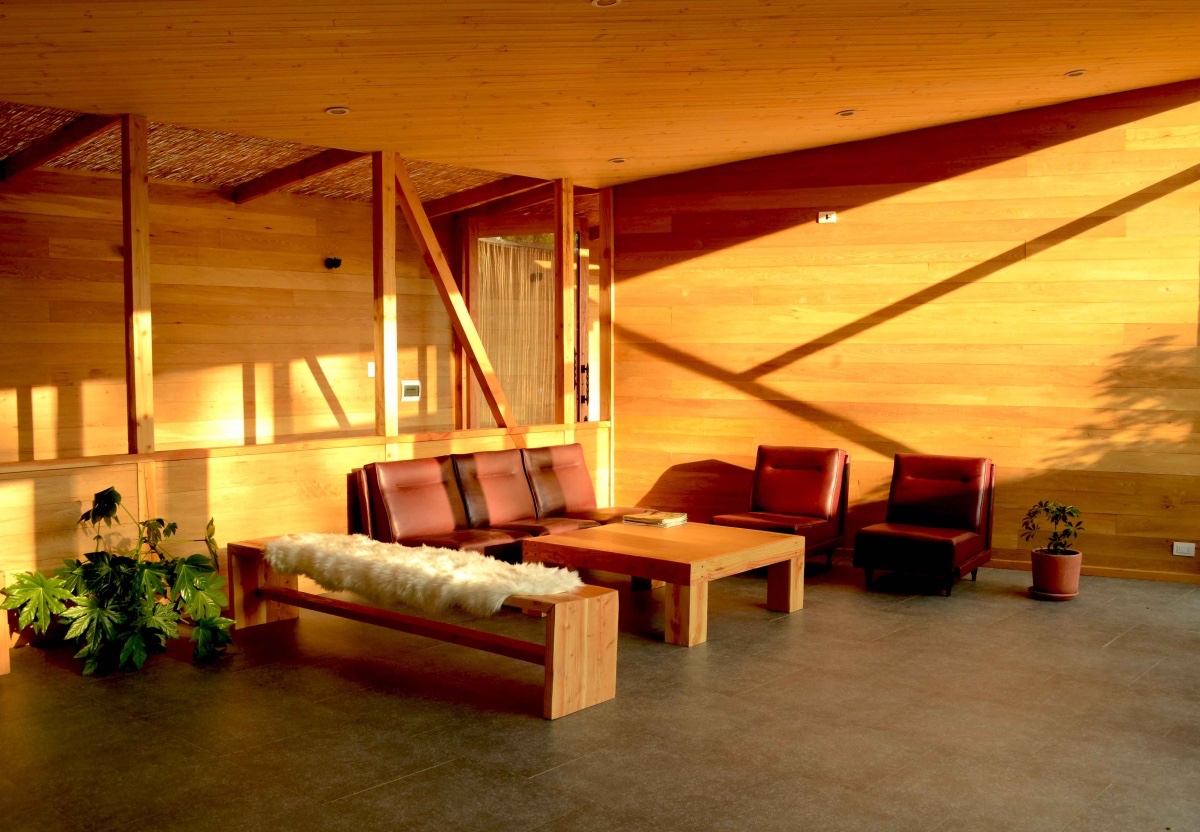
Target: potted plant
x,y
120,606
1055,565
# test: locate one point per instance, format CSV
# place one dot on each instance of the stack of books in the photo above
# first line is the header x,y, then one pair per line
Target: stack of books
x,y
658,519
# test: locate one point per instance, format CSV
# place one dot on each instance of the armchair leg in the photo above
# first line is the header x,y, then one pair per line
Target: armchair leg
x,y
829,559
870,576
949,585
974,573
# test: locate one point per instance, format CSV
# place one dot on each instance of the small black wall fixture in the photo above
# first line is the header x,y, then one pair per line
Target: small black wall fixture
x,y
333,262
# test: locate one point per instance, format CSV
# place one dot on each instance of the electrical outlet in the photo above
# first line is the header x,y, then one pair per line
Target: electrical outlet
x,y
370,369
826,216
1183,550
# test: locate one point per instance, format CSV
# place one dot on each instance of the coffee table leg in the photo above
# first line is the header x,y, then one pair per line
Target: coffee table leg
x,y
785,585
687,614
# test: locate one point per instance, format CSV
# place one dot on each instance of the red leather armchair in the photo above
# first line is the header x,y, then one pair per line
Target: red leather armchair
x,y
939,519
562,486
798,491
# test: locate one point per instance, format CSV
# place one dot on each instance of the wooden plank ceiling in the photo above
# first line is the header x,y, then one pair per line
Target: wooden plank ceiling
x,y
556,88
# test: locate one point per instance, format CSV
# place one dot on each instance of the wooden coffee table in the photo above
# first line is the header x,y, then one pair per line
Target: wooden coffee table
x,y
686,558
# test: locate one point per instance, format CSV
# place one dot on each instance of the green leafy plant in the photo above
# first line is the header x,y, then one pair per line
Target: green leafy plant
x,y
1064,519
122,606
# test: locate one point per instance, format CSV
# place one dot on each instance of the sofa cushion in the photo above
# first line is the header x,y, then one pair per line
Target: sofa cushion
x,y
603,516
537,526
413,498
922,549
494,487
812,529
466,540
801,481
559,479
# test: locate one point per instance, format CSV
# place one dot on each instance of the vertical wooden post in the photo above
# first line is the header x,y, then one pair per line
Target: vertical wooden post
x,y
147,485
564,310
460,380
135,238
607,315
383,253
4,637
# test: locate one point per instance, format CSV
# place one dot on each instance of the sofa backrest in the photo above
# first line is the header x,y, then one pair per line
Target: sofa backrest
x,y
414,497
494,487
805,481
559,479
945,492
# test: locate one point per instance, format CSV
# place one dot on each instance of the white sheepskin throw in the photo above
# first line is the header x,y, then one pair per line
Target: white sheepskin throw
x,y
425,577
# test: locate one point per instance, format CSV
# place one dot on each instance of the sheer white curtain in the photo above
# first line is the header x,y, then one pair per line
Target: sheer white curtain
x,y
513,304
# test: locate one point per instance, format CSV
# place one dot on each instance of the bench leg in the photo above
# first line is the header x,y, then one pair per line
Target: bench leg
x,y
5,641
785,585
581,654
687,614
248,573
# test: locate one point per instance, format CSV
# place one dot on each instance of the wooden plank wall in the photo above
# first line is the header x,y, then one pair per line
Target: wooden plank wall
x,y
255,340
262,398
1023,287
250,492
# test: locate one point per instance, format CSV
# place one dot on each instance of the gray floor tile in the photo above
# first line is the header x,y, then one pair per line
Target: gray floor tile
x,y
896,709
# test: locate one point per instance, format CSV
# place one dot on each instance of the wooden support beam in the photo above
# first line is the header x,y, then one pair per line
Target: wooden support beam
x,y
281,178
460,370
564,308
443,279
453,633
605,245
474,197
518,202
46,148
135,237
383,253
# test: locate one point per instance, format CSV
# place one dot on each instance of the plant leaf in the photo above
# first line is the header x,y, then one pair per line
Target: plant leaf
x,y
39,598
211,635
133,652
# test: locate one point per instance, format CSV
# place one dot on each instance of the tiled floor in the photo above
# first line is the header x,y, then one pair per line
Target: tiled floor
x,y
889,710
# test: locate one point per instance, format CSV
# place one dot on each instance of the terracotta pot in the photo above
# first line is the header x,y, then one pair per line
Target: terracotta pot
x,y
1056,576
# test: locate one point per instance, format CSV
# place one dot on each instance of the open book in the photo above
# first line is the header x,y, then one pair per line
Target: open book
x,y
662,519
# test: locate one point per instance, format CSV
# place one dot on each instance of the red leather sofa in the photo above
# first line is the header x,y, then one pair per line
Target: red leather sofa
x,y
486,501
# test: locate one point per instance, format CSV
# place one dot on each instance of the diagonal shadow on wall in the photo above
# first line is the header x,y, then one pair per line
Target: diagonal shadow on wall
x,y
749,381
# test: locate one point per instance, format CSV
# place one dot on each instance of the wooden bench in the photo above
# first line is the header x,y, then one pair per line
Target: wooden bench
x,y
580,653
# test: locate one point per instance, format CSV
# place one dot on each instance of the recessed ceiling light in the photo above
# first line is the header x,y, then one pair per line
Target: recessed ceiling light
x,y
1075,73
337,111
618,160
605,4
846,113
